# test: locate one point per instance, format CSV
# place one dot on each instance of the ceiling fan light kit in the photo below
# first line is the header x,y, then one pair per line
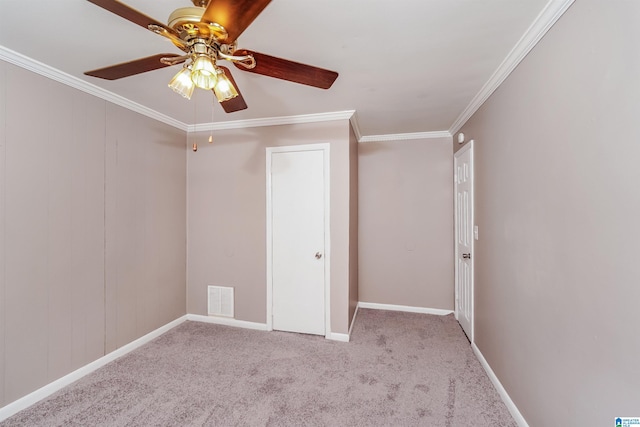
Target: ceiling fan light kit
x,y
207,33
182,84
224,89
203,72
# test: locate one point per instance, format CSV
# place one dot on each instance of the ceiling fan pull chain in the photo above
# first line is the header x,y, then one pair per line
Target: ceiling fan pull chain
x,y
211,130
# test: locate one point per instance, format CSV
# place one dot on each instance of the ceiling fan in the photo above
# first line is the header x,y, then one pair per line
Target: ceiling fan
x,y
208,33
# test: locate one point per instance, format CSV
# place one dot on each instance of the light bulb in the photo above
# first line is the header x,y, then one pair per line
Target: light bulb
x,y
181,83
203,72
224,89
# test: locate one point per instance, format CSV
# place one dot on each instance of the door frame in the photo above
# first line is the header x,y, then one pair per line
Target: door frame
x,y
456,156
324,147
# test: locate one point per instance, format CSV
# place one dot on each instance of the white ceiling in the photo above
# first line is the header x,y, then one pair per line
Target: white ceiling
x,y
405,66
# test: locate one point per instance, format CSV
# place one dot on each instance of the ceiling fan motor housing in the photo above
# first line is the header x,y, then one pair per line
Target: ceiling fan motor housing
x,y
187,21
185,15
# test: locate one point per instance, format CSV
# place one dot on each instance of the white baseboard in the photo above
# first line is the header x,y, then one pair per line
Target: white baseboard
x,y
252,325
47,390
353,321
513,409
407,308
226,321
343,337
337,337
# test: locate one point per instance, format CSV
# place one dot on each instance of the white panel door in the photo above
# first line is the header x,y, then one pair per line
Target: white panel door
x,y
464,238
298,236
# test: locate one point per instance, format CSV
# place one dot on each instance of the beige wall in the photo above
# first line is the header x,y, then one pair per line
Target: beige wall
x,y
3,109
227,215
406,223
353,224
145,225
557,205
92,213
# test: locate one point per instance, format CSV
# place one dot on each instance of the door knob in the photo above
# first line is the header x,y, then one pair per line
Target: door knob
x,y
466,256
318,255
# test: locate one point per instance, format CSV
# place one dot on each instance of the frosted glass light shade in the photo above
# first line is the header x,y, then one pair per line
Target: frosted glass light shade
x,y
203,73
181,83
224,89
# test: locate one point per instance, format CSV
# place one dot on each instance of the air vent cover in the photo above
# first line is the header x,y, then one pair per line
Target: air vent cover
x,y
220,301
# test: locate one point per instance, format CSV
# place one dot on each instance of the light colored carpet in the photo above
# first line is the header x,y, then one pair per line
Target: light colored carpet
x,y
400,369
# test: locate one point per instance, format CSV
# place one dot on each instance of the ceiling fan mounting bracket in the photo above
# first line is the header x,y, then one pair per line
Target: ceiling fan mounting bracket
x,y
174,60
247,61
228,49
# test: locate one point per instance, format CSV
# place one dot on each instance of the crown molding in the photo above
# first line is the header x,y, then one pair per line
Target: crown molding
x,y
272,121
406,136
355,125
543,22
37,67
313,118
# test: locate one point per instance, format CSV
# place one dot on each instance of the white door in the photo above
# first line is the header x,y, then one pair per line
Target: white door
x,y
297,205
463,167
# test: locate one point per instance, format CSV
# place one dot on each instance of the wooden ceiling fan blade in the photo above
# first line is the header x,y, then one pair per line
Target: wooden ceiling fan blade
x,y
288,70
131,68
131,14
234,15
234,104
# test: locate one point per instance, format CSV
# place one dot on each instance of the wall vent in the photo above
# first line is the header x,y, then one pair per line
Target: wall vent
x,y
220,301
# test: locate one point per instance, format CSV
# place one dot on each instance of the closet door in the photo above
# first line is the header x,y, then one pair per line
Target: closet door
x,y
297,217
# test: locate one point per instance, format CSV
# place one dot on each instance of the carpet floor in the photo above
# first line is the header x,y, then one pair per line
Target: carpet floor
x,y
400,369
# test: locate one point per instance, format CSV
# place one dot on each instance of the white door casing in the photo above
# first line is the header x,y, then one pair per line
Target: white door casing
x,y
463,182
297,239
